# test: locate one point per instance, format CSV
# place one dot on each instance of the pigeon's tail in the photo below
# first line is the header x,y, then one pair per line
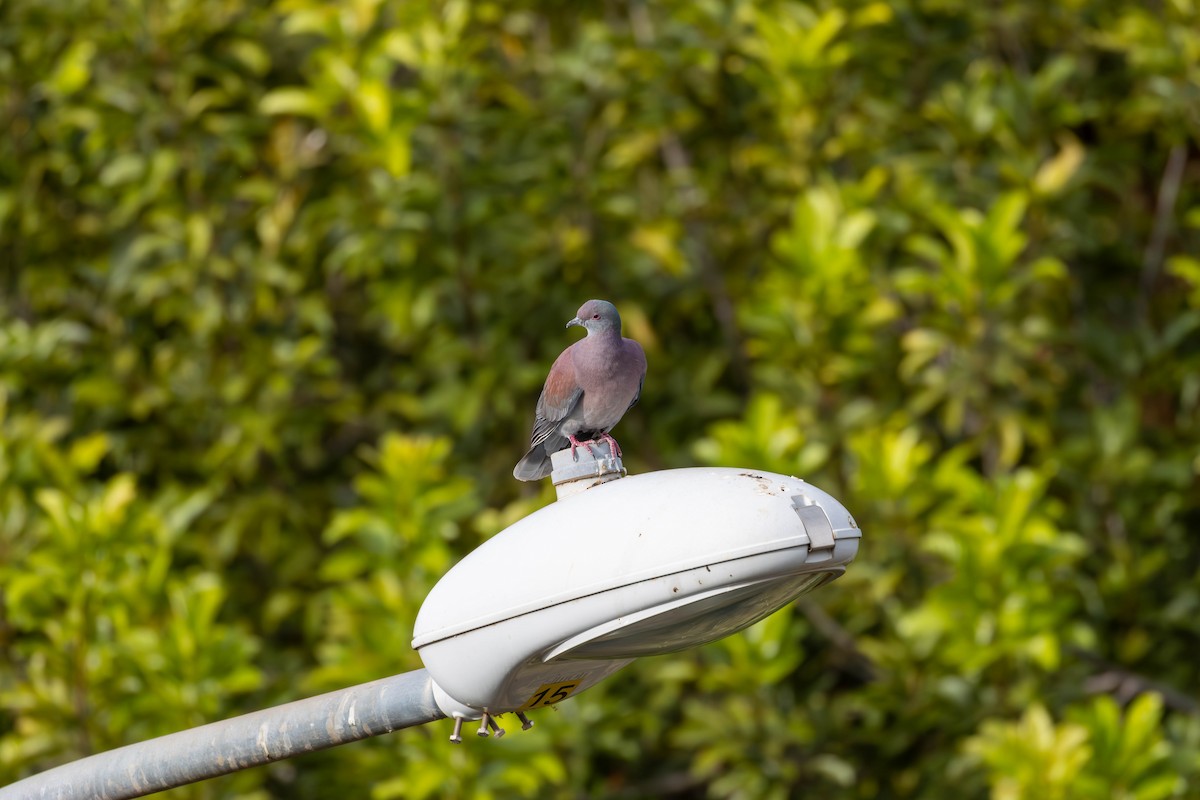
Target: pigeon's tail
x,y
535,465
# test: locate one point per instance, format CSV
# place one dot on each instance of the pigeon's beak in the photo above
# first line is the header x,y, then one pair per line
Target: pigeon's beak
x,y
576,321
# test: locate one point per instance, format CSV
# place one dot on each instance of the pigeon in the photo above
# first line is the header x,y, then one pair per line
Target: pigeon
x,y
589,388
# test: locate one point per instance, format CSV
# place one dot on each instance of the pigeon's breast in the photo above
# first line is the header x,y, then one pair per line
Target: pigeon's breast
x,y
609,376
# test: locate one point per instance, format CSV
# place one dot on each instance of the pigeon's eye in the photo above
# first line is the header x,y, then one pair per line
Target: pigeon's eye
x,y
595,316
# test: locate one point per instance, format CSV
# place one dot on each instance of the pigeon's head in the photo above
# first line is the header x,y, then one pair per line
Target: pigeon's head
x,y
597,316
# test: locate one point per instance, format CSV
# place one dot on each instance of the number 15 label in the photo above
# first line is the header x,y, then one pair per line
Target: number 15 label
x,y
550,693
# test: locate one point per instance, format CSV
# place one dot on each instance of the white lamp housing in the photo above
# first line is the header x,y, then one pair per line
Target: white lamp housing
x,y
648,564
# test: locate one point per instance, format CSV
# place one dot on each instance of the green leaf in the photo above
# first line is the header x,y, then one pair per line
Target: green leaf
x,y
292,100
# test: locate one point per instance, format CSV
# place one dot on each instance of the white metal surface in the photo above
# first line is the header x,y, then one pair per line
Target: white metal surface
x,y
647,564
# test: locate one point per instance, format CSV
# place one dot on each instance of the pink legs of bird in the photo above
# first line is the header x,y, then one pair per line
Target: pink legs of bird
x,y
604,437
612,444
576,443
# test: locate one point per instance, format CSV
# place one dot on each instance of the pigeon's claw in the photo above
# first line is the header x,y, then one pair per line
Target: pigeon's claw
x,y
612,444
575,443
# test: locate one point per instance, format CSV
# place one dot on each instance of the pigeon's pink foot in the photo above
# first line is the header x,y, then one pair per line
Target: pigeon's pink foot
x,y
612,444
576,443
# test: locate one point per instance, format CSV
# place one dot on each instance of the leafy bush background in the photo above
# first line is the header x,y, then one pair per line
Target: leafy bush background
x,y
280,282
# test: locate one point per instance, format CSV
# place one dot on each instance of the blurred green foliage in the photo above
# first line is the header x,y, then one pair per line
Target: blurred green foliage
x,y
280,283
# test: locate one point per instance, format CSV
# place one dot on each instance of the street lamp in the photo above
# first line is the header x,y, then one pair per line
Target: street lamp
x,y
619,567
647,565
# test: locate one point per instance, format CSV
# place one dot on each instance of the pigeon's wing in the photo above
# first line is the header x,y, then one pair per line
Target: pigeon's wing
x,y
641,355
560,396
637,396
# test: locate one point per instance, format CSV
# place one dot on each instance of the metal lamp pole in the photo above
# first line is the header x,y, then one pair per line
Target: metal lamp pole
x,y
339,717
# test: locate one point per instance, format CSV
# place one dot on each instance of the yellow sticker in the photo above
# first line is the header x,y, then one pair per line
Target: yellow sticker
x,y
550,693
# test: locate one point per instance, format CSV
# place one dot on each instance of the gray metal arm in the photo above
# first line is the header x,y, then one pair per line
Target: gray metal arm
x,y
219,748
